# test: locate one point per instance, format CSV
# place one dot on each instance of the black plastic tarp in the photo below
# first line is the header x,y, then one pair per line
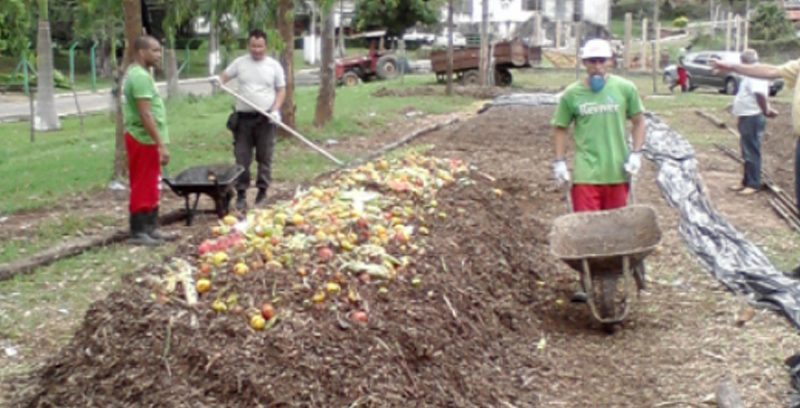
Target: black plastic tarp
x,y
725,252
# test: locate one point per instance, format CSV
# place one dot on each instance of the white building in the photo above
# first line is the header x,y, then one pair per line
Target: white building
x,y
506,16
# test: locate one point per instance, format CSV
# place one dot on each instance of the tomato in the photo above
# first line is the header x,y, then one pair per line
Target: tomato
x,y
267,311
205,269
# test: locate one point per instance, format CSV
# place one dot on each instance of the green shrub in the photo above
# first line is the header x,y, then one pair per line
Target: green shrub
x,y
680,22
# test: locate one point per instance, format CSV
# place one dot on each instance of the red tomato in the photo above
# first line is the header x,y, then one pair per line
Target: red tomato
x,y
267,311
359,316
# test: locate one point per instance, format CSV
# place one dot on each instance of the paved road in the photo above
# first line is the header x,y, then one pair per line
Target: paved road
x,y
16,107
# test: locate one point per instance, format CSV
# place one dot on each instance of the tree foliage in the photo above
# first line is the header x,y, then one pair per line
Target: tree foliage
x,y
15,25
395,15
769,23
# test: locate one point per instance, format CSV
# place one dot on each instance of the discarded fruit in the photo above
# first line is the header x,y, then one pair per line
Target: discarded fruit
x,y
383,291
240,268
359,316
333,288
203,285
257,322
319,296
424,231
230,220
219,306
205,269
220,258
267,311
416,281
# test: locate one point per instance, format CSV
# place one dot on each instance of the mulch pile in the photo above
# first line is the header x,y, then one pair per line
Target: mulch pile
x,y
464,336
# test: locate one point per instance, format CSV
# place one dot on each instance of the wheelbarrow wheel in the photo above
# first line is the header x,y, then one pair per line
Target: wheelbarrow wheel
x,y
606,292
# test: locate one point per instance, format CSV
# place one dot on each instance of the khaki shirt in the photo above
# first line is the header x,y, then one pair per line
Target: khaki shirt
x,y
789,71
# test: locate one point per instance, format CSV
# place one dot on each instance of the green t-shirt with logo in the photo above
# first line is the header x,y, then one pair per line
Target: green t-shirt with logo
x,y
139,84
600,148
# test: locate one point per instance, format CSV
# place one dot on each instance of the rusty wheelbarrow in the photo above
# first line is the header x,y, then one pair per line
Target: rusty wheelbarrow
x,y
603,247
213,181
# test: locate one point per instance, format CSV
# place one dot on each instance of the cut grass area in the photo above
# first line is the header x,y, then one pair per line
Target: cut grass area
x,y
47,233
64,162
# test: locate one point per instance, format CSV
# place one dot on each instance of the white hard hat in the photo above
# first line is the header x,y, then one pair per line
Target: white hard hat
x,y
596,48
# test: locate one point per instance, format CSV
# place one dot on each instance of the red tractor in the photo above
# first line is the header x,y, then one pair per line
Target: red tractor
x,y
379,62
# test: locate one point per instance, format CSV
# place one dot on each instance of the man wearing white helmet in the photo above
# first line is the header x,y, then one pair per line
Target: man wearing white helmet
x,y
599,106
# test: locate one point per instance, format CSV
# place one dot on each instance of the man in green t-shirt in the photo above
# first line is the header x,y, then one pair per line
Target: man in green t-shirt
x,y
599,106
146,136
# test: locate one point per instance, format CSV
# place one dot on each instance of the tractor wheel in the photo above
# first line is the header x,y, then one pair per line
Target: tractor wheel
x,y
350,78
503,77
471,78
386,67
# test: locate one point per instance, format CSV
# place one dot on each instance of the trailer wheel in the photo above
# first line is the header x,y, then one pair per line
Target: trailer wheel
x,y
350,78
440,78
386,67
471,78
503,77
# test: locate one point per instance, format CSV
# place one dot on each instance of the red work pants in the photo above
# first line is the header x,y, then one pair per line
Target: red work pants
x,y
591,197
144,170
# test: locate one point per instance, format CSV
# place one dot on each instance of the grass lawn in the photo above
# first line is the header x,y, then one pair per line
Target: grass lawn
x,y
198,136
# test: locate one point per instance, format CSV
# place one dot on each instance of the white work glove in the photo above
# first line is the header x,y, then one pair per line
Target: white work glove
x,y
214,79
276,116
560,172
634,163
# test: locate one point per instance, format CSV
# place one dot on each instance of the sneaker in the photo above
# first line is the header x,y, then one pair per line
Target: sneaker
x,y
748,191
261,196
737,187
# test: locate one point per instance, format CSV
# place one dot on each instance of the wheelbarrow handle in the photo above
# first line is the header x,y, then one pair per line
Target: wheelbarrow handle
x,y
631,190
568,195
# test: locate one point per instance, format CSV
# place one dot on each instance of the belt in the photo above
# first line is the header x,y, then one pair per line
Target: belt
x,y
247,114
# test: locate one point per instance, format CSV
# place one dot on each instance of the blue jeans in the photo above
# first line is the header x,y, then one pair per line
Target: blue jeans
x,y
751,129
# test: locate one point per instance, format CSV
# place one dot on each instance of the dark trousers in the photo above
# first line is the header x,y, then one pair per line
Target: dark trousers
x,y
254,131
751,130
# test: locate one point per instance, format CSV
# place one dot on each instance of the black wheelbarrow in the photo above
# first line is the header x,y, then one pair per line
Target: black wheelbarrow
x,y
213,181
603,247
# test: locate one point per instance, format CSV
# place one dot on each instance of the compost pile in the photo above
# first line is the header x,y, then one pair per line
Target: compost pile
x,y
399,283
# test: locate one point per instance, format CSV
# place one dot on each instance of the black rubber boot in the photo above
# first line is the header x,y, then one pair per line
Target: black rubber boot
x,y
241,200
153,230
261,196
139,235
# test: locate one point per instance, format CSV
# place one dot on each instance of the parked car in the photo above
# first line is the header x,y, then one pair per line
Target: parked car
x,y
414,35
701,74
458,40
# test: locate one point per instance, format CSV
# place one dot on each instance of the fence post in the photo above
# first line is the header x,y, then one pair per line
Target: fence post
x,y
558,34
627,42
728,31
72,62
643,61
94,68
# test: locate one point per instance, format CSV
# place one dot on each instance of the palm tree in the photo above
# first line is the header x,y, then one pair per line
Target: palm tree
x,y
46,115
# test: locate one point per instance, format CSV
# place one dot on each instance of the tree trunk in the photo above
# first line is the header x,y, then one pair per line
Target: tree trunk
x,y
483,69
46,115
286,29
171,68
325,99
132,10
213,45
449,86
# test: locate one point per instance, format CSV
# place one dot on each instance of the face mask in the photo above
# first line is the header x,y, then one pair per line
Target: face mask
x,y
596,83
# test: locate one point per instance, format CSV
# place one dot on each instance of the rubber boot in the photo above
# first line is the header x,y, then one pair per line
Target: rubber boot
x,y
261,196
139,235
153,230
241,200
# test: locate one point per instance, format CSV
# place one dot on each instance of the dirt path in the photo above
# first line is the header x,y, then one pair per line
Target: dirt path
x,y
513,338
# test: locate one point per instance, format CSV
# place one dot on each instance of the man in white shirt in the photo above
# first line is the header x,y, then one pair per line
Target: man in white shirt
x,y
262,81
751,108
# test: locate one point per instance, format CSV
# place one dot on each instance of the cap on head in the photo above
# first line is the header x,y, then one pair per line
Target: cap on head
x,y
596,48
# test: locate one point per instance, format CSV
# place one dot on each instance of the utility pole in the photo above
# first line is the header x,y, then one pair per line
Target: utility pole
x,y
449,86
656,29
483,69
